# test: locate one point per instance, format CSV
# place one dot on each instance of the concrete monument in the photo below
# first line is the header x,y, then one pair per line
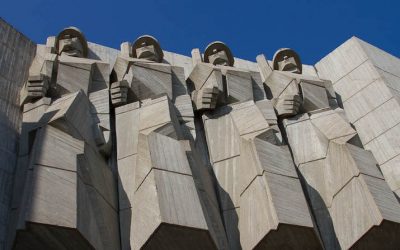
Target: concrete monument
x,y
65,194
165,191
259,191
351,201
141,148
367,82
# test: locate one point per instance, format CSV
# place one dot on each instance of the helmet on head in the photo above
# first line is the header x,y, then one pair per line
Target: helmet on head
x,y
148,40
281,53
73,32
219,46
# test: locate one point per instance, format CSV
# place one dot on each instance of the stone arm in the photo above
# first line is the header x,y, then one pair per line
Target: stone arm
x,y
282,89
287,105
205,98
123,89
119,93
294,93
118,85
39,79
207,85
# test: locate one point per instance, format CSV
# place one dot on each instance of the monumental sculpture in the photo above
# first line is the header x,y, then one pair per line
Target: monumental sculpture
x,y
65,194
141,148
259,191
347,192
166,196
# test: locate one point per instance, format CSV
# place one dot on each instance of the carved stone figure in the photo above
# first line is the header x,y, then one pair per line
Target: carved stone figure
x,y
213,153
352,204
65,194
259,191
165,192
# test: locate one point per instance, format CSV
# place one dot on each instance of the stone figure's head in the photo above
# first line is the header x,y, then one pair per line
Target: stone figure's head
x,y
71,42
287,60
147,47
217,53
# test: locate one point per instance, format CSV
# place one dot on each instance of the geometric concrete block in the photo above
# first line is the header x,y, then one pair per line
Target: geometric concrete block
x,y
222,138
351,227
332,125
367,99
267,219
307,143
266,108
378,121
385,146
71,78
349,197
127,129
126,181
149,79
248,119
238,84
391,171
64,197
314,97
227,175
356,80
277,84
166,205
274,159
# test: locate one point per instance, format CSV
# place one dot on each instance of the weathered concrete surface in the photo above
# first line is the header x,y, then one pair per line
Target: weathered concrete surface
x,y
367,82
16,54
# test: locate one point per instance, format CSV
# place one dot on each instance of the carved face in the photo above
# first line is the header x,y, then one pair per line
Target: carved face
x,y
70,46
147,52
219,58
289,64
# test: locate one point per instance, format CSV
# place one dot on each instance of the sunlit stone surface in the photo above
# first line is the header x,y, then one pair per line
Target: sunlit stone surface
x,y
140,148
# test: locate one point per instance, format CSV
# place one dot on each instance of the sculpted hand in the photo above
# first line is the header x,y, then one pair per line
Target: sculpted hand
x,y
119,93
36,86
205,98
288,105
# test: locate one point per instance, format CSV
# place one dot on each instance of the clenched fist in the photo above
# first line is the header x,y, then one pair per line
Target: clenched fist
x,y
37,86
288,105
205,98
119,93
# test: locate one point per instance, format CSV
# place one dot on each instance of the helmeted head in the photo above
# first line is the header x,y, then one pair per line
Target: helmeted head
x,y
287,60
217,53
71,41
147,47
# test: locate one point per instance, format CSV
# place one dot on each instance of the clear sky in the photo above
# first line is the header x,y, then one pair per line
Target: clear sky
x,y
312,27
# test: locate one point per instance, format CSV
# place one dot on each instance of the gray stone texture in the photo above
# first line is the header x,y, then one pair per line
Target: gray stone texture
x,y
367,82
65,193
255,176
196,158
166,194
16,55
351,201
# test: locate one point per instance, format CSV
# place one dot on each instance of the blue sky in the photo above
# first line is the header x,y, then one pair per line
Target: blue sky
x,y
312,27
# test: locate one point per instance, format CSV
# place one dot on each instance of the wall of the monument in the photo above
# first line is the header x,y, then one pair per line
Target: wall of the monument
x,y
367,80
16,54
367,83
